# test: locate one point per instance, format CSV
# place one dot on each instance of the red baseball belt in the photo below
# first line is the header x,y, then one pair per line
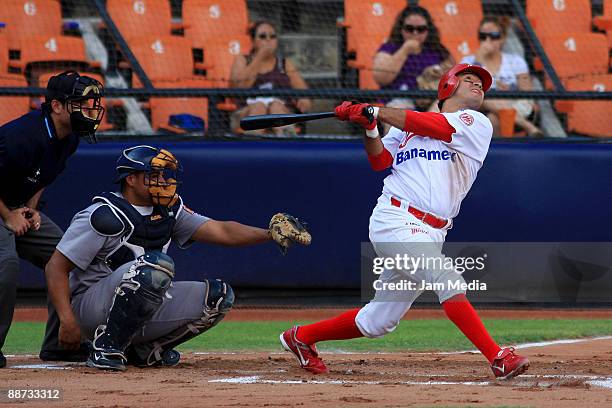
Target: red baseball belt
x,y
427,218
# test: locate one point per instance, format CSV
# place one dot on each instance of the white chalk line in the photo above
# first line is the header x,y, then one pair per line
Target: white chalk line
x,y
540,344
604,382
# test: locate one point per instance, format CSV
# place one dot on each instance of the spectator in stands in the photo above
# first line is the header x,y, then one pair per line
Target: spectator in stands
x,y
265,68
412,58
510,72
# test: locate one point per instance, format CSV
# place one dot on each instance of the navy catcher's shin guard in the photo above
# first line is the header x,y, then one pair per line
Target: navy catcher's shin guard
x,y
218,300
138,296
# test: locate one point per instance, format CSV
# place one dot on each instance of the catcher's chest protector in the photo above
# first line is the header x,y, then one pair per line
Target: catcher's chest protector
x,y
140,233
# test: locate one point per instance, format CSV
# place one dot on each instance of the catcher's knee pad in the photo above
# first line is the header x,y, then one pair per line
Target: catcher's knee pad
x,y
137,297
218,300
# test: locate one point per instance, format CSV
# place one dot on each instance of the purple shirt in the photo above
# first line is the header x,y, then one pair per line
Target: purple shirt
x,y
412,68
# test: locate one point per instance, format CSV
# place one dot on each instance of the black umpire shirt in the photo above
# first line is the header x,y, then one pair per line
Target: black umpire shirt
x,y
31,156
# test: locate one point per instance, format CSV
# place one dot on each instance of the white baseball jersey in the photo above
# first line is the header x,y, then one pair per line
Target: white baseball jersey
x,y
434,175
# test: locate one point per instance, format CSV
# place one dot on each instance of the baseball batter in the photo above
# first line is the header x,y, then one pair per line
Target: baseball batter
x,y
434,160
110,278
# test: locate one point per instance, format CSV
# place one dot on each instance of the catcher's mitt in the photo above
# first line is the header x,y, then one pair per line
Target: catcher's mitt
x,y
285,229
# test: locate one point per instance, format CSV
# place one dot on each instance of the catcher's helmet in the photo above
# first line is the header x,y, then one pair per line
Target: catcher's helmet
x,y
82,96
162,171
450,80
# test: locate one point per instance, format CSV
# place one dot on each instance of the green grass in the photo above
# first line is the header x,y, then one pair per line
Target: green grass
x,y
412,335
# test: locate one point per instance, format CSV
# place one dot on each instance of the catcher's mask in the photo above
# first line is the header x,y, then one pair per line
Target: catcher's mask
x,y
82,96
162,172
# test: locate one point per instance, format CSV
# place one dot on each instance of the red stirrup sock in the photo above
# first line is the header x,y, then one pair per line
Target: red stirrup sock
x,y
460,311
341,327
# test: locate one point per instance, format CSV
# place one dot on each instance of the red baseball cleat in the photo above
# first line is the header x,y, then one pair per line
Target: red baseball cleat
x,y
306,354
507,365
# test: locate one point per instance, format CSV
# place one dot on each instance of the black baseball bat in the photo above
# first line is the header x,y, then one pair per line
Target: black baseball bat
x,y
268,121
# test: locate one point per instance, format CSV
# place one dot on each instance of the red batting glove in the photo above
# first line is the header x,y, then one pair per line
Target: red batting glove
x,y
342,112
362,115
357,113
371,126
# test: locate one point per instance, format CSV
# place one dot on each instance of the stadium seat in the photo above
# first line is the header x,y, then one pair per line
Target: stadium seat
x,y
139,18
206,20
60,50
604,22
548,16
577,54
366,51
455,17
24,18
219,55
460,46
163,58
588,117
12,107
4,54
163,108
369,21
105,124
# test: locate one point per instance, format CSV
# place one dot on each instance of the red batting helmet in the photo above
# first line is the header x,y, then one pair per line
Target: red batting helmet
x,y
450,81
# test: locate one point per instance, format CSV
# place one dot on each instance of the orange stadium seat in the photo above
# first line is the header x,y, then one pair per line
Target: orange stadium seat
x,y
366,51
136,18
548,16
61,49
163,108
588,117
455,17
24,18
604,22
369,21
460,46
576,54
12,107
163,58
206,20
4,53
219,55
104,125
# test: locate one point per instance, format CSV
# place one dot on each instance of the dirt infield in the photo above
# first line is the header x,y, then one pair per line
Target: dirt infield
x,y
562,375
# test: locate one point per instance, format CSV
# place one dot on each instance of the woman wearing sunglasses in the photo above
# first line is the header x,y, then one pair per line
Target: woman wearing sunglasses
x,y
413,50
510,72
264,68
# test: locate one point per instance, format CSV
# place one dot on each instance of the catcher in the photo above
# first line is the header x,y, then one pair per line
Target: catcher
x,y
110,278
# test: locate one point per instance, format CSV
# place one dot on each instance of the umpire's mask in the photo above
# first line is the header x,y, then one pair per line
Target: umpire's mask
x,y
82,96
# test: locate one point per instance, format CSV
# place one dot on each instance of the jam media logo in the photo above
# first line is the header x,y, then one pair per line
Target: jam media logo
x,y
467,118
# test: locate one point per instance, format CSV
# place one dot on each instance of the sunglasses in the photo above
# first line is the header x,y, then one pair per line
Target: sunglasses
x,y
415,29
495,35
266,36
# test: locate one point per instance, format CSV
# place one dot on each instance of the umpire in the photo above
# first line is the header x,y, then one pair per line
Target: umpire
x,y
33,152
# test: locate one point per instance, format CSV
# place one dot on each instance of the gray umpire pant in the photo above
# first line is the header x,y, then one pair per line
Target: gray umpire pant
x,y
37,248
